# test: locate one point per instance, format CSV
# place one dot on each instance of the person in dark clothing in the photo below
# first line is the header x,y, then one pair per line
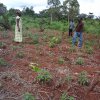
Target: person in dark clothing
x,y
71,27
78,33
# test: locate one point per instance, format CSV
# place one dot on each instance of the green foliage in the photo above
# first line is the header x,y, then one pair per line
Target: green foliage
x,y
52,44
80,61
92,26
61,60
71,8
70,40
65,96
89,43
3,62
2,44
53,2
44,76
35,67
5,22
83,78
69,79
28,11
72,49
35,38
89,50
28,96
14,48
89,46
30,35
56,25
4,34
54,40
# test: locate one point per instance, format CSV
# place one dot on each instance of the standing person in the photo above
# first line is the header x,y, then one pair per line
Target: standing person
x,y
71,27
18,27
78,33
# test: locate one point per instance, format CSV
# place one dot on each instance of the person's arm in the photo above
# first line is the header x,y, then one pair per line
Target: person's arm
x,y
18,24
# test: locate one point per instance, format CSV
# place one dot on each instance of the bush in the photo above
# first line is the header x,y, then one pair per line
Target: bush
x,y
72,49
65,96
2,45
69,79
82,78
44,76
80,61
28,96
35,38
3,62
54,40
89,50
61,60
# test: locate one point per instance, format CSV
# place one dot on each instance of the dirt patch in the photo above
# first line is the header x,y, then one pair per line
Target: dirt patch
x,y
17,77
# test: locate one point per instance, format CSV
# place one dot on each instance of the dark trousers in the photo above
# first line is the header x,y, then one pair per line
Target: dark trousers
x,y
70,32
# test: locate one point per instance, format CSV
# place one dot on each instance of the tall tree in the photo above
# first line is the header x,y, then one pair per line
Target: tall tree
x,y
54,3
71,8
28,11
2,9
4,21
54,7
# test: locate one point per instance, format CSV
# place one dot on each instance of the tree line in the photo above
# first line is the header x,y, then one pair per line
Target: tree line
x,y
69,9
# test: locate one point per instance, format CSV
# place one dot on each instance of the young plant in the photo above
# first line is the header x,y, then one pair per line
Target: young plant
x,y
53,41
52,44
2,45
89,50
72,49
14,48
30,35
35,67
60,60
44,76
28,96
35,38
65,96
3,62
82,78
69,79
20,55
4,34
80,61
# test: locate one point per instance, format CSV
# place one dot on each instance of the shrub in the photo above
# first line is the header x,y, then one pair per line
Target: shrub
x,y
65,96
3,62
82,78
54,40
35,67
44,76
80,61
89,50
72,49
35,38
2,45
60,60
52,44
28,96
69,79
4,34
